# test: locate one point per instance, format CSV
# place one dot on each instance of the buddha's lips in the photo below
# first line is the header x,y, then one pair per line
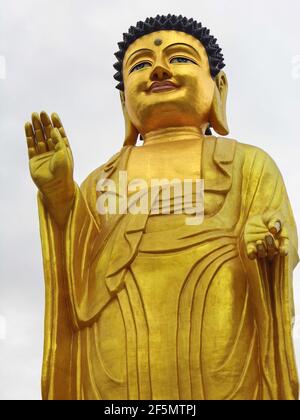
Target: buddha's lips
x,y
162,86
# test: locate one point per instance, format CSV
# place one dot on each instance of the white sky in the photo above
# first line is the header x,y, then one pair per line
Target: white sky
x,y
58,56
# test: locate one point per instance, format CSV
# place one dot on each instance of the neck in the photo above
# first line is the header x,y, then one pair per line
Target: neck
x,y
172,134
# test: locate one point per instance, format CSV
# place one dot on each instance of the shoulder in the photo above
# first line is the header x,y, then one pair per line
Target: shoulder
x,y
250,150
251,158
228,149
256,161
106,167
225,149
255,154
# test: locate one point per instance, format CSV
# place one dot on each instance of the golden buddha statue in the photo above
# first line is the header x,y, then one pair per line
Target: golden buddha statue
x,y
145,305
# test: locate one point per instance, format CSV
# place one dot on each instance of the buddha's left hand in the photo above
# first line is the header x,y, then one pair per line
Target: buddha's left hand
x,y
266,236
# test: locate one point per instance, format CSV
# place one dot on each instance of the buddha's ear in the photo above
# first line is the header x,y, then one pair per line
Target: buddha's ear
x,y
131,133
217,118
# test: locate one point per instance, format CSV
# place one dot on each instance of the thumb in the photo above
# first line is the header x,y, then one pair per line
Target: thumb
x,y
57,139
273,222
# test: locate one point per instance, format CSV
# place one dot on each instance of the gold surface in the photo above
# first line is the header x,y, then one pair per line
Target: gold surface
x,y
148,307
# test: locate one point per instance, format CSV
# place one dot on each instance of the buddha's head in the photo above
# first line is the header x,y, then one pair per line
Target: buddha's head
x,y
169,74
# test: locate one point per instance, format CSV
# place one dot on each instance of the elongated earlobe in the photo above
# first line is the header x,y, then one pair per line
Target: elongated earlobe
x,y
131,133
218,118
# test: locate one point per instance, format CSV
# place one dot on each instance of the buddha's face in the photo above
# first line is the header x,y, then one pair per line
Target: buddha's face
x,y
167,81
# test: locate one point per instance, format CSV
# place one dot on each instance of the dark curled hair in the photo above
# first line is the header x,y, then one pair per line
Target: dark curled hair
x,y
170,22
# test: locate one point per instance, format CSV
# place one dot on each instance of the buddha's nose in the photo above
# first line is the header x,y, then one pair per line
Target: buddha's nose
x,y
160,73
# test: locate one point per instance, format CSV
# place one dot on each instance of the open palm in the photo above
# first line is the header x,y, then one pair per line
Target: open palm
x,y
51,163
50,156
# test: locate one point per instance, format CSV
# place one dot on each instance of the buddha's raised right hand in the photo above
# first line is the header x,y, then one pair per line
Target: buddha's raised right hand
x,y
51,164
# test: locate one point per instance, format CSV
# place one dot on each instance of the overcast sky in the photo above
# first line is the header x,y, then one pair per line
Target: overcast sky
x,y
57,56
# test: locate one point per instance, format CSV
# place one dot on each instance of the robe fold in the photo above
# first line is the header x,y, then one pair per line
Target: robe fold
x,y
137,308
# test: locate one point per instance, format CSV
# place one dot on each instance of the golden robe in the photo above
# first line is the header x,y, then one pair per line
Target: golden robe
x,y
139,308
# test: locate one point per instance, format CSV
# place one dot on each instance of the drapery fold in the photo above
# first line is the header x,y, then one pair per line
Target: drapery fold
x,y
86,265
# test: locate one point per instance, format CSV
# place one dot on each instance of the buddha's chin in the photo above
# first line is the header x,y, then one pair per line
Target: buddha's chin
x,y
162,117
169,108
169,97
167,102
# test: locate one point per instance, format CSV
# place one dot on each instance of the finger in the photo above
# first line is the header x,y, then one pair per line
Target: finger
x,y
31,152
30,137
284,247
58,124
261,249
256,236
251,251
50,144
274,226
284,242
47,124
63,134
39,133
57,138
38,128
271,245
31,145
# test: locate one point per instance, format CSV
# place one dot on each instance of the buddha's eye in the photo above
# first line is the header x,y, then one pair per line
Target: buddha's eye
x,y
140,66
181,60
